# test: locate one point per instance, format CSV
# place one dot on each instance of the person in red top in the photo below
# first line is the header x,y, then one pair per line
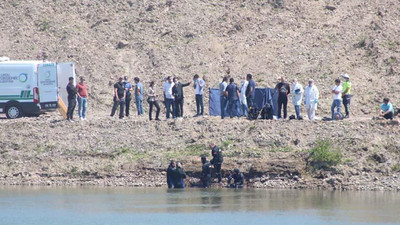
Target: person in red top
x,y
82,98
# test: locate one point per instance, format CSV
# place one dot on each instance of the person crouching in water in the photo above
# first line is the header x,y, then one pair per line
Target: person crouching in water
x,y
179,175
205,177
170,174
238,179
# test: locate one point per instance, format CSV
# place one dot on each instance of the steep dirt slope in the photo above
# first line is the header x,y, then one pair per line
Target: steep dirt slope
x,y
214,38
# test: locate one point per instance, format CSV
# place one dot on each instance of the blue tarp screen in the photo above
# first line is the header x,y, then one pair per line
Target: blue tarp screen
x,y
262,96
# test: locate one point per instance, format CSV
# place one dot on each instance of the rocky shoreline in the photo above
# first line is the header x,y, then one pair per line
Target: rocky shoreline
x,y
271,154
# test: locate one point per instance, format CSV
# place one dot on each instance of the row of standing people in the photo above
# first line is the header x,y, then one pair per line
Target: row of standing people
x,y
172,92
342,94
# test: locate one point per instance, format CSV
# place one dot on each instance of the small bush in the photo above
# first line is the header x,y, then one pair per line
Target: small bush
x,y
322,156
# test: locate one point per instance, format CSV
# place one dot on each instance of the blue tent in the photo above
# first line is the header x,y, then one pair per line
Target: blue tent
x,y
262,96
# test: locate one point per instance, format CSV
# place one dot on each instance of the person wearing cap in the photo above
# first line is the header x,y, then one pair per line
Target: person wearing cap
x,y
337,98
217,160
297,96
346,94
387,110
205,176
128,89
311,96
72,92
119,98
138,95
238,179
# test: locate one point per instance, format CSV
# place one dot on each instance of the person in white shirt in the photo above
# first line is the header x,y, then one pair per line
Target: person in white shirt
x,y
199,91
169,97
337,98
223,101
242,97
297,96
311,96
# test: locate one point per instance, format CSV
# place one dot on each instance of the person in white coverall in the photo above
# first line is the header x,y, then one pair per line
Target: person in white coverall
x,y
297,96
311,96
243,101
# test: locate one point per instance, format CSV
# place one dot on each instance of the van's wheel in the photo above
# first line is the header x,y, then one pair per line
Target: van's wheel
x,y
13,111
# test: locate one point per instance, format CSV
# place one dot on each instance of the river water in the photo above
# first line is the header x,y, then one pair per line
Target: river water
x,y
98,206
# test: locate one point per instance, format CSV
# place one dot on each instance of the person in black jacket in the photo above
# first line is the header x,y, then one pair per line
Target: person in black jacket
x,y
179,175
72,91
238,179
170,174
205,172
119,98
177,91
217,160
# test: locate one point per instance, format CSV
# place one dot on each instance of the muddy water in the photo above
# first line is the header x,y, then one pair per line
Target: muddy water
x,y
98,206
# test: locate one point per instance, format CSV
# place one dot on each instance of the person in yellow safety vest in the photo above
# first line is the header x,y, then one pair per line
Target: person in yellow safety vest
x,y
346,94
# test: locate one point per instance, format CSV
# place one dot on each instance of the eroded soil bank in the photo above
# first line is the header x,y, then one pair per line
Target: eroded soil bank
x,y
135,152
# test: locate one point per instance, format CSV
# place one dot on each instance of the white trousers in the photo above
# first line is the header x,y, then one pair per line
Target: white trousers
x,y
310,112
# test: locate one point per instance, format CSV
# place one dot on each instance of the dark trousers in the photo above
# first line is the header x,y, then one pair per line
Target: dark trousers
x,y
233,108
170,182
282,102
200,105
121,104
388,116
169,104
205,181
346,103
178,107
223,102
154,103
250,102
127,105
217,168
71,108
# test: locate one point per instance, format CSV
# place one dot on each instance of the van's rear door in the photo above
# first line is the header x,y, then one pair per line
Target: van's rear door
x,y
47,83
64,72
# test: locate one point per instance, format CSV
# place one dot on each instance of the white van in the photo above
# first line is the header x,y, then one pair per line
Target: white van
x,y
28,87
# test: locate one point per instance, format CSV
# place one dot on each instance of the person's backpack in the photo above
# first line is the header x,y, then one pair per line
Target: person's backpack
x,y
292,117
267,112
253,113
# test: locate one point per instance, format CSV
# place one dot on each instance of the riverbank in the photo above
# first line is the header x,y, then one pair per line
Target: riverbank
x,y
107,151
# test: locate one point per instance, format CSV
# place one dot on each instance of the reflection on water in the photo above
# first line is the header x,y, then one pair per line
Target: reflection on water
x,y
197,206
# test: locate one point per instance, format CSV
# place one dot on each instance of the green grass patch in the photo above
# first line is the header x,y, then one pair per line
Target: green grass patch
x,y
324,156
396,168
